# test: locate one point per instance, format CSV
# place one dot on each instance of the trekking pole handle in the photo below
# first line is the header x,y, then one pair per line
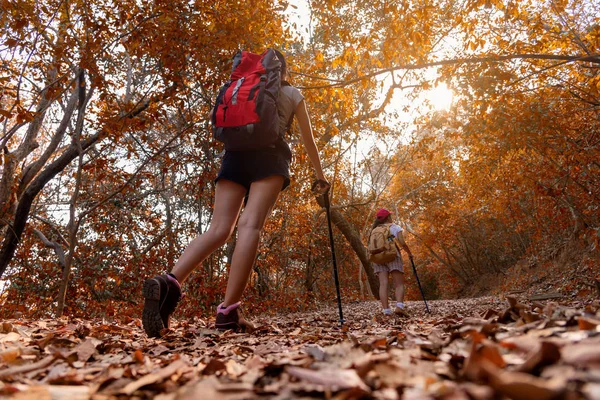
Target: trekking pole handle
x,y
320,186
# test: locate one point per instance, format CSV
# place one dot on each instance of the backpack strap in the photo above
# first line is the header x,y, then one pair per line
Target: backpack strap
x,y
289,124
369,240
291,120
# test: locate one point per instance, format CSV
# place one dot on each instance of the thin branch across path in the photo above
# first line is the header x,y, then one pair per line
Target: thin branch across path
x,y
594,59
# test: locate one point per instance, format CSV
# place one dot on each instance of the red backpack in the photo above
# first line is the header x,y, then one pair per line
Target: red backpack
x,y
245,115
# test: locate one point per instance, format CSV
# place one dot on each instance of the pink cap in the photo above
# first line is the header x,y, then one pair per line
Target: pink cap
x,y
383,214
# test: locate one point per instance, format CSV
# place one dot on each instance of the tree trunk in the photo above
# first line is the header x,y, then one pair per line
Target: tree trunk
x,y
74,222
13,236
354,239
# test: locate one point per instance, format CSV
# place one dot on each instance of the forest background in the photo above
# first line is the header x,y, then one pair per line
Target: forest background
x,y
108,159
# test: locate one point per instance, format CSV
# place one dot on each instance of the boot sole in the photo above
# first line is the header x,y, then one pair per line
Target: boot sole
x,y
151,319
229,326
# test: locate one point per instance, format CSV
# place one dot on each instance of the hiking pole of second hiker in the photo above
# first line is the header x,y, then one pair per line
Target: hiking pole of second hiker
x,y
419,283
331,242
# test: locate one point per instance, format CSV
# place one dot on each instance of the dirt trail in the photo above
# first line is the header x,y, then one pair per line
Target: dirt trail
x,y
483,348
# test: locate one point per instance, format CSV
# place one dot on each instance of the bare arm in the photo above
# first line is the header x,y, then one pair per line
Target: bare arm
x,y
401,243
308,139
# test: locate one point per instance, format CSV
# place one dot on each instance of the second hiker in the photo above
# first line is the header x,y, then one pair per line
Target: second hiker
x,y
384,242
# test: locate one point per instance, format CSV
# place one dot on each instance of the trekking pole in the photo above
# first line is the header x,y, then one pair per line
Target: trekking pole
x,y
419,283
331,242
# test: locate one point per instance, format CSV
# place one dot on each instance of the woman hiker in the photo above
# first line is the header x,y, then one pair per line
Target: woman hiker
x,y
395,267
257,175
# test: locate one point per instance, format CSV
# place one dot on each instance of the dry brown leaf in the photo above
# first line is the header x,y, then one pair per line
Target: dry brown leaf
x,y
33,392
235,387
6,327
155,377
524,343
582,355
53,392
159,349
518,385
478,392
386,355
209,389
379,342
587,323
234,369
592,391
315,351
267,348
138,356
490,352
213,366
530,317
550,309
86,349
330,379
548,353
475,321
10,372
61,392
391,374
10,355
483,351
10,337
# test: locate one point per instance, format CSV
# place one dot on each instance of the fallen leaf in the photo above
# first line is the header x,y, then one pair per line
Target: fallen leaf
x,y
209,389
154,377
592,391
138,356
391,374
213,366
10,355
9,337
582,355
315,351
548,353
234,369
10,372
330,379
587,324
86,350
33,392
7,327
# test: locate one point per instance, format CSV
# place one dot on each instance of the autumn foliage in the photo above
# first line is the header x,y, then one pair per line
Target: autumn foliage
x,y
108,160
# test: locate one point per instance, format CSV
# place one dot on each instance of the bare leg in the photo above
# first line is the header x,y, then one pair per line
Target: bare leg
x,y
398,278
261,199
383,289
228,202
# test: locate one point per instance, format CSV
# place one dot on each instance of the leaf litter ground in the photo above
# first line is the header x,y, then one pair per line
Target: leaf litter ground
x,y
476,349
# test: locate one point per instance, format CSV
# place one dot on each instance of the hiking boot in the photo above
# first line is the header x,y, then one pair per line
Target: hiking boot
x,y
162,293
401,312
231,318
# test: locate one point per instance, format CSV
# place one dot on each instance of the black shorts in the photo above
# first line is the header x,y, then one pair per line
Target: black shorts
x,y
245,167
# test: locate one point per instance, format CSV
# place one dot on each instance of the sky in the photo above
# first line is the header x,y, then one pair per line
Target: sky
x,y
298,17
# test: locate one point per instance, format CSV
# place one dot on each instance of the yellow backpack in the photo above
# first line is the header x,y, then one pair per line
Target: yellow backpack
x,y
381,245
